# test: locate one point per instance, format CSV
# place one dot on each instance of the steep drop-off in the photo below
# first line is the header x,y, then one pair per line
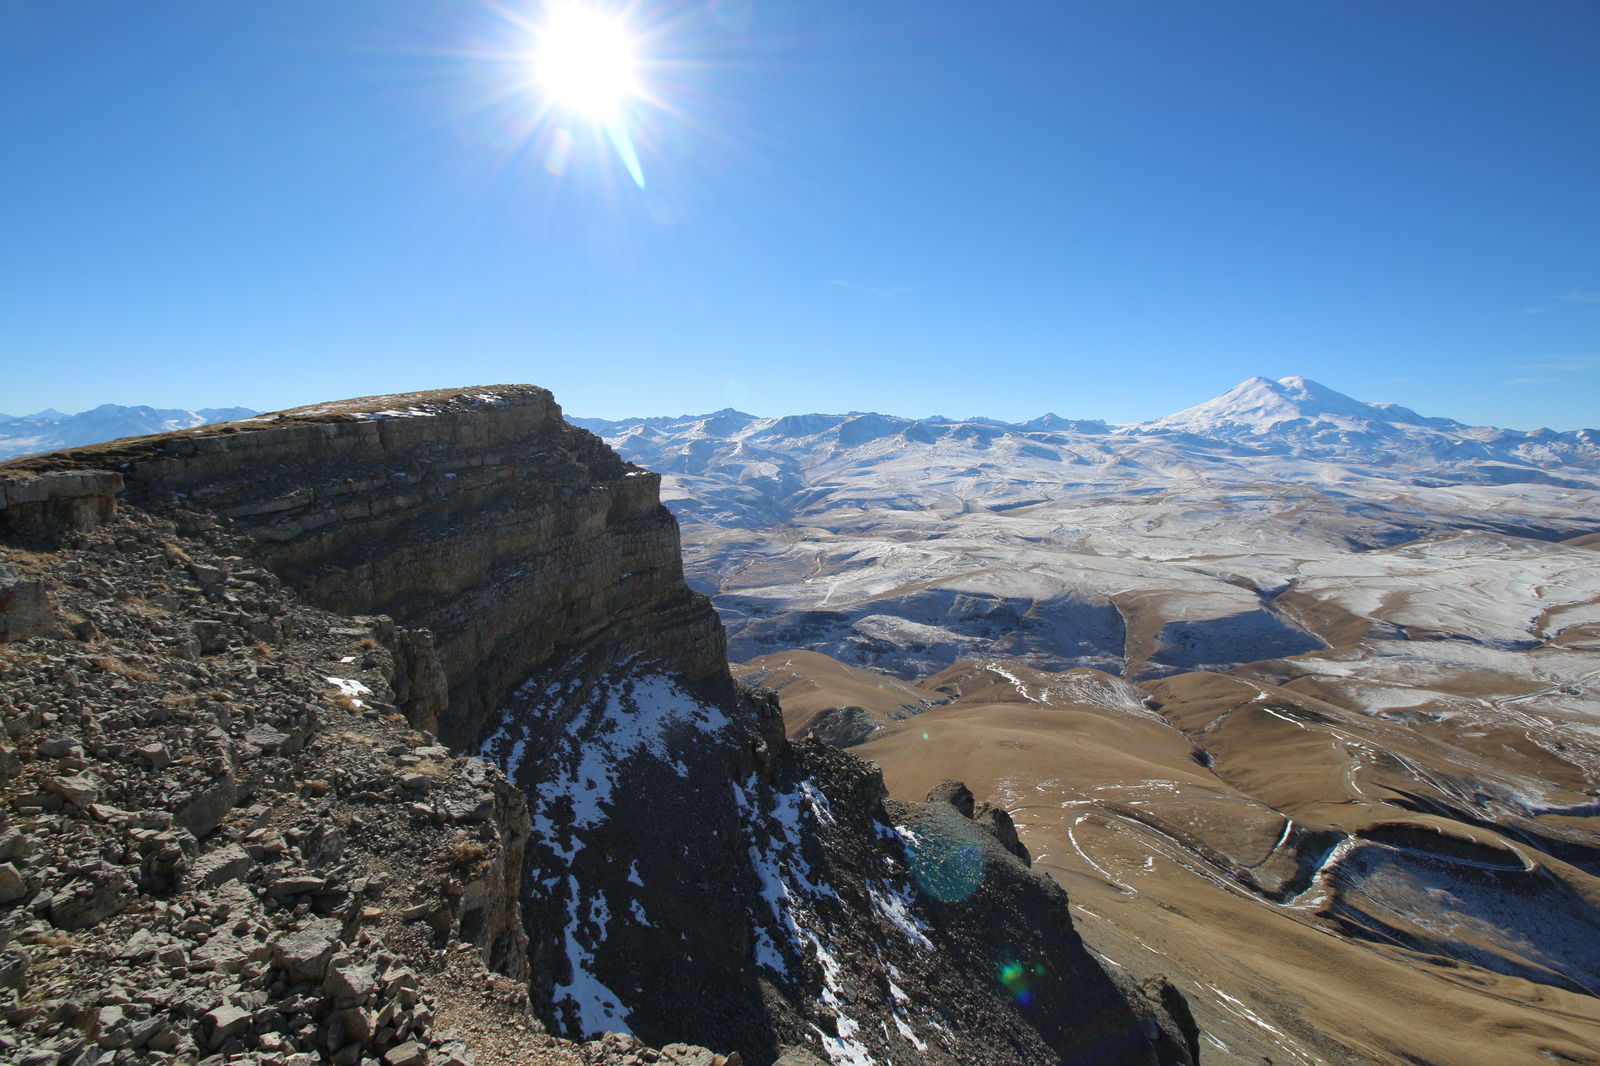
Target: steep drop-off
x,y
686,874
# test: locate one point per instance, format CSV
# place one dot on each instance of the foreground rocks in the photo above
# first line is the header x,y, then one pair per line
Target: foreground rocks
x,y
224,848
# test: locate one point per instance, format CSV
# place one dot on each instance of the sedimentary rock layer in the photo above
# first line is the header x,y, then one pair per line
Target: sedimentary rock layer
x,y
479,515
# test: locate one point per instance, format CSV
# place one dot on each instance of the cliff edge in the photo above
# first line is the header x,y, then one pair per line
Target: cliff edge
x,y
418,594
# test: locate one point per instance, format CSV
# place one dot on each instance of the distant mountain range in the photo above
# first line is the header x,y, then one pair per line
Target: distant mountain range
x,y
49,430
1260,427
910,544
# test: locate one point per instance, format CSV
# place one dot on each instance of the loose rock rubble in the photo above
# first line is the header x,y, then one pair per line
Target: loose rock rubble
x,y
222,842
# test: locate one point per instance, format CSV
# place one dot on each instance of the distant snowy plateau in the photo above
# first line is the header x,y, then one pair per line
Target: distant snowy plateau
x,y
1279,519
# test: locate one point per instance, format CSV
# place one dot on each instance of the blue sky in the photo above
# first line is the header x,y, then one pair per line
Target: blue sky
x,y
1111,209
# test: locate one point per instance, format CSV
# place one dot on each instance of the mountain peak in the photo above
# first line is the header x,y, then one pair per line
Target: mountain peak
x,y
1261,402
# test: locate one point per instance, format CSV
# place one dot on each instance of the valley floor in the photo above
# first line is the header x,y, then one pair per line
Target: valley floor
x,y
1381,854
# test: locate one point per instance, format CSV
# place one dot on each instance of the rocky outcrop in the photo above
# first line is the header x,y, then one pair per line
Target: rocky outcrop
x,y
482,516
229,739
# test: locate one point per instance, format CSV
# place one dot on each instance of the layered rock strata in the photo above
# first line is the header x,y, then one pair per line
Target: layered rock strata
x,y
483,516
227,845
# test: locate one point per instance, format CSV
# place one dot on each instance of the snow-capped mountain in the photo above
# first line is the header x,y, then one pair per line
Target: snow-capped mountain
x,y
1261,405
49,429
907,544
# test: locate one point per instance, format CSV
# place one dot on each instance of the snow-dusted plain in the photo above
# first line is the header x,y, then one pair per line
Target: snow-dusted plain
x,y
1144,550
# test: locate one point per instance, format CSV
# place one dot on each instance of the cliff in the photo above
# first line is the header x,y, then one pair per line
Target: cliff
x,y
480,515
658,858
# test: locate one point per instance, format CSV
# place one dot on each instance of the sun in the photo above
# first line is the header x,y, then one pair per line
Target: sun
x,y
585,61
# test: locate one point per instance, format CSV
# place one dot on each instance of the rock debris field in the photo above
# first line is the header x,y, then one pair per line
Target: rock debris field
x,y
221,842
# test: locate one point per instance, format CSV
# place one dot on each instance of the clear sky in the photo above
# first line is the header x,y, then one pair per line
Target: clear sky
x,y
1106,209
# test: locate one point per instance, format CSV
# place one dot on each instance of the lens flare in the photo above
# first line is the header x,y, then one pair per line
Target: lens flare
x,y
585,61
560,151
1017,980
585,64
945,857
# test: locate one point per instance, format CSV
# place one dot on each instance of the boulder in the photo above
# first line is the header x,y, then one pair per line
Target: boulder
x,y
25,610
304,956
345,978
221,866
226,1021
410,1053
954,793
12,886
90,900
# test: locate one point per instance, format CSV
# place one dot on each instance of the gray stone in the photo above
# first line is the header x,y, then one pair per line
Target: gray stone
x,y
410,1053
25,610
78,790
59,747
954,793
223,865
345,978
227,1021
304,956
12,886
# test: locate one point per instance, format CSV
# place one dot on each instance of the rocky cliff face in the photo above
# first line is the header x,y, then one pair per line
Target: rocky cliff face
x,y
482,516
503,580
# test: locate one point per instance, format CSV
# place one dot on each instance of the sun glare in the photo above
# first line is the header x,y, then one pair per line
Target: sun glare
x,y
585,61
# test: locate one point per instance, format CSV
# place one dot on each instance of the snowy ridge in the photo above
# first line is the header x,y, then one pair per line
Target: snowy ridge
x,y
910,544
49,429
1285,422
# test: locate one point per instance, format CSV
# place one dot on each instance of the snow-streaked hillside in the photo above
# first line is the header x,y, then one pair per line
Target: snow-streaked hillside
x,y
49,430
909,544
